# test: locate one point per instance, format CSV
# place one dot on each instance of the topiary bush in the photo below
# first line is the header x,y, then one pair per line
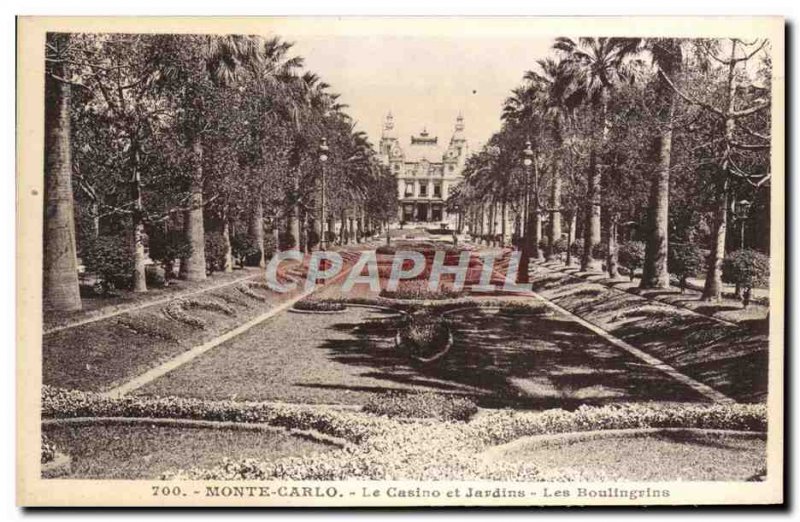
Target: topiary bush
x,y
424,335
560,246
746,269
426,405
155,276
110,258
245,250
685,261
600,251
631,256
216,249
287,241
166,247
576,248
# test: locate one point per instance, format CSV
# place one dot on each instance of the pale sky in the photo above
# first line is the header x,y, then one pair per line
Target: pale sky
x,y
423,80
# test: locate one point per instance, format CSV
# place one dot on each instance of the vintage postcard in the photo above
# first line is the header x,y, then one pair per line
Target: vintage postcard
x,y
400,261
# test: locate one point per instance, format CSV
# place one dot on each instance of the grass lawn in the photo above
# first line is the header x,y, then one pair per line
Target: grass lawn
x,y
126,298
99,355
730,359
145,452
665,456
525,362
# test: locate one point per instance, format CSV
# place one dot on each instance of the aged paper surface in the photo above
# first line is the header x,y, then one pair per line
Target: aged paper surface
x,y
221,389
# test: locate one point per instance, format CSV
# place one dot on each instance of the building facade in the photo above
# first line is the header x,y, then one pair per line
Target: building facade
x,y
425,171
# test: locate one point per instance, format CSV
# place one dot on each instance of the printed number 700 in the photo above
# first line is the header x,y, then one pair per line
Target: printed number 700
x,y
166,491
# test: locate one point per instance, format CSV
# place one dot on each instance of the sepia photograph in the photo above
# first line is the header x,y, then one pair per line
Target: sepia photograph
x,y
400,262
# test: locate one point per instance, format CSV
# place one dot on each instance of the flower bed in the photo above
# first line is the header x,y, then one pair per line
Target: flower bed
x,y
383,448
417,289
422,406
317,305
517,309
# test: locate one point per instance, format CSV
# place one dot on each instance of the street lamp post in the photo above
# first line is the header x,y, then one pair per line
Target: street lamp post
x,y
522,274
323,157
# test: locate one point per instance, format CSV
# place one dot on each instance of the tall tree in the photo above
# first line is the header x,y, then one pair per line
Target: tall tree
x,y
667,57
595,65
60,271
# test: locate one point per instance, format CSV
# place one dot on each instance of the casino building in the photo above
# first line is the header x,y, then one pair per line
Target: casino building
x,y
425,170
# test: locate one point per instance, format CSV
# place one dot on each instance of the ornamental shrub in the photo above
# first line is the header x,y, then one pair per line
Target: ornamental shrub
x,y
559,246
155,276
746,269
528,308
425,405
685,261
216,248
576,249
287,241
317,305
600,251
631,255
245,250
425,334
417,289
48,450
110,258
167,246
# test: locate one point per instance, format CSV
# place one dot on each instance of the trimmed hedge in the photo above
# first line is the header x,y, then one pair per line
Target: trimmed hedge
x,y
319,305
383,448
422,406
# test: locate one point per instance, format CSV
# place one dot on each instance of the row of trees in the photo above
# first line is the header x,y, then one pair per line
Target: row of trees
x,y
175,139
662,140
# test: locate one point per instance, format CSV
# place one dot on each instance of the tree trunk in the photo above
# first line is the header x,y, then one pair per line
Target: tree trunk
x,y
654,272
60,290
503,220
554,229
592,229
139,274
293,221
343,228
360,226
712,291
276,231
255,228
611,260
570,238
226,238
193,268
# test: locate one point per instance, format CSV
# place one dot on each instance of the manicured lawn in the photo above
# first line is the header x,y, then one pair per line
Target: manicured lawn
x,y
99,355
126,298
730,359
525,362
666,456
145,452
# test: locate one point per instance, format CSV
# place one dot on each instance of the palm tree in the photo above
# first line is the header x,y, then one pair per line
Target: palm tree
x,y
223,58
552,86
60,271
271,75
667,58
594,66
